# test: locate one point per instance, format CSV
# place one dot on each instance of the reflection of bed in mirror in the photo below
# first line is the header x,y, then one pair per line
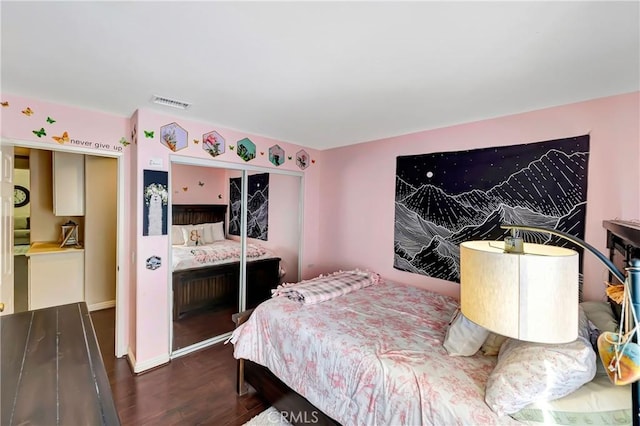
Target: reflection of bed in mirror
x,y
206,276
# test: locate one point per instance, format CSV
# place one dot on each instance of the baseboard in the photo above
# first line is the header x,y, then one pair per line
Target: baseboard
x,y
148,364
131,358
102,305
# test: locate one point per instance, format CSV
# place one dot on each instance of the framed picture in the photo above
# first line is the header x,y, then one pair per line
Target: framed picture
x,y
173,137
302,159
156,199
213,143
69,235
246,149
276,155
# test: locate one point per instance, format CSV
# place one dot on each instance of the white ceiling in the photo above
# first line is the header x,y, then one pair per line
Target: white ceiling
x,y
322,74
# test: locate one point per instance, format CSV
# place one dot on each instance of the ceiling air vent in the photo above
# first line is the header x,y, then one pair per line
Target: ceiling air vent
x,y
160,100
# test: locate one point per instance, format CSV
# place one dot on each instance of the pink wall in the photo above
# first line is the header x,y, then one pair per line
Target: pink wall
x,y
348,192
191,177
89,132
152,325
145,293
283,205
358,182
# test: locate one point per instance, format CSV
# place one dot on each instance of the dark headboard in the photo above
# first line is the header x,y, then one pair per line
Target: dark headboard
x,y
193,214
623,242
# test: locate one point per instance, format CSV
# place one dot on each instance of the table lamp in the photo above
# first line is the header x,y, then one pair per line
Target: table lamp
x,y
530,291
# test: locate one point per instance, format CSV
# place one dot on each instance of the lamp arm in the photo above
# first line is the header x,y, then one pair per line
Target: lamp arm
x,y
610,266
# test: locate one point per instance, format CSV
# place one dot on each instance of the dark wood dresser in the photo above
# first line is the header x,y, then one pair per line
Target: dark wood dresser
x,y
51,369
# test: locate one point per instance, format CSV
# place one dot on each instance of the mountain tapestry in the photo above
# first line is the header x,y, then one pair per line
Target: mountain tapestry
x,y
257,206
445,198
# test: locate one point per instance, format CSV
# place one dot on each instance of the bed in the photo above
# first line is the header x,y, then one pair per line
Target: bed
x,y
327,364
206,284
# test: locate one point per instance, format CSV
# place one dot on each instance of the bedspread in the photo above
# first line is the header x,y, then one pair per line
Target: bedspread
x,y
373,356
224,251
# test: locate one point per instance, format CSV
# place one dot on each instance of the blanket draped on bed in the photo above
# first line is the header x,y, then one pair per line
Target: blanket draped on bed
x,y
326,287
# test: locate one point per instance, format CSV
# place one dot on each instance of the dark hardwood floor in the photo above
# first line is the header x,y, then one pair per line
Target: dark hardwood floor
x,y
196,389
202,325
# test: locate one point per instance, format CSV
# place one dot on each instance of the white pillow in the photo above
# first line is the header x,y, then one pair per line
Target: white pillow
x,y
213,232
601,315
176,235
464,337
218,231
583,324
598,402
529,372
491,346
193,235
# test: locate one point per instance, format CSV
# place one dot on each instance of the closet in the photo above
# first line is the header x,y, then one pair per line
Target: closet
x,y
261,211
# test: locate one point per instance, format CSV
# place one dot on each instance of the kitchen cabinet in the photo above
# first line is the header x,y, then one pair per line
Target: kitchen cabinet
x,y
56,275
68,184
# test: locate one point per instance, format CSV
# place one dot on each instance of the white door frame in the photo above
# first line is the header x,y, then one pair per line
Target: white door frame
x,y
7,237
120,344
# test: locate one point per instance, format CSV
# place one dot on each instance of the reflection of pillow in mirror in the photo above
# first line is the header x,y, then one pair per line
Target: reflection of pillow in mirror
x,y
213,232
193,235
207,236
176,235
218,231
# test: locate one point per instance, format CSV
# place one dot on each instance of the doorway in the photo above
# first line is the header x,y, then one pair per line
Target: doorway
x,y
113,257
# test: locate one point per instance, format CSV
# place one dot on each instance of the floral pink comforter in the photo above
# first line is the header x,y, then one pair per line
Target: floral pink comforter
x,y
219,252
371,357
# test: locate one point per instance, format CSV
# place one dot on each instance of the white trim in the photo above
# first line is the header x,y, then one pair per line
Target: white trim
x,y
180,159
46,146
301,227
150,363
102,305
201,345
121,259
131,358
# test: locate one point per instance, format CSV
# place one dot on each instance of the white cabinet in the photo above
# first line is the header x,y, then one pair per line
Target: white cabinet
x,y
68,184
56,275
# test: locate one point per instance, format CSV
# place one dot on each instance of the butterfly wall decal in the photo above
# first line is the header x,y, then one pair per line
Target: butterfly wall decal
x,y
289,157
4,104
149,134
40,133
124,142
27,111
185,188
313,161
200,183
261,152
231,147
196,141
50,120
61,139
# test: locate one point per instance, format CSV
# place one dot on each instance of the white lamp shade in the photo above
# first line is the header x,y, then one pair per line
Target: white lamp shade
x,y
531,296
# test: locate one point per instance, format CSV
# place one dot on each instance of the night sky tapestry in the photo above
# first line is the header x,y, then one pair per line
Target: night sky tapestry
x,y
257,206
446,198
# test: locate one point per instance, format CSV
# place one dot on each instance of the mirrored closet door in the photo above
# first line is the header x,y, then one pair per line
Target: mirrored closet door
x,y
224,262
